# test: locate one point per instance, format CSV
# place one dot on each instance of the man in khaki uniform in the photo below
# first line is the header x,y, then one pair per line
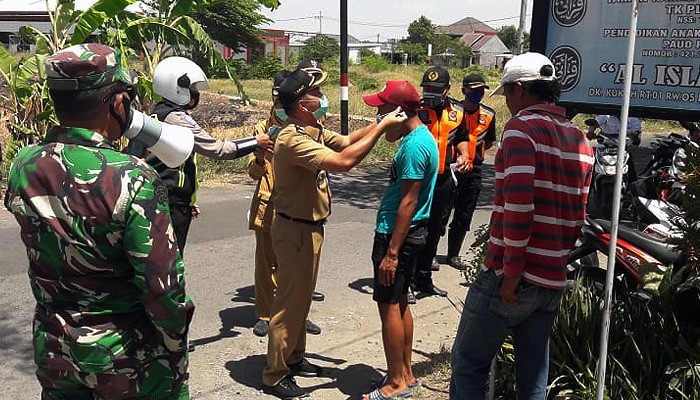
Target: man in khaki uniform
x,y
262,211
304,152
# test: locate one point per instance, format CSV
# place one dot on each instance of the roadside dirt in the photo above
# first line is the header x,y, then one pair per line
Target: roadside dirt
x,y
223,111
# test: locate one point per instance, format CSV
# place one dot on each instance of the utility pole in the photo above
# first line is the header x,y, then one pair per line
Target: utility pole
x,y
320,22
521,27
344,81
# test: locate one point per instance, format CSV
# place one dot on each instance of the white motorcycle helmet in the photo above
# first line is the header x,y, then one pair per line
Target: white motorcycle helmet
x,y
174,76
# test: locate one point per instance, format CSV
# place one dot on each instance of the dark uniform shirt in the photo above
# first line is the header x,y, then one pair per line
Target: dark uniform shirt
x,y
103,262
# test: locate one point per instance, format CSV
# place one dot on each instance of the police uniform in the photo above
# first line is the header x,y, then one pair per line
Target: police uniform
x,y
481,128
448,129
112,316
302,201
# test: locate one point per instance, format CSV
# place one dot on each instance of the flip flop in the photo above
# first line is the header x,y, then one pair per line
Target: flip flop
x,y
377,395
379,382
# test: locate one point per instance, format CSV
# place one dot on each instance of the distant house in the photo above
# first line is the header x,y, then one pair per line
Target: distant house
x,y
297,42
489,51
12,21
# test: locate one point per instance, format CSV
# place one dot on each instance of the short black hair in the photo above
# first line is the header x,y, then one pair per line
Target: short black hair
x,y
67,102
547,90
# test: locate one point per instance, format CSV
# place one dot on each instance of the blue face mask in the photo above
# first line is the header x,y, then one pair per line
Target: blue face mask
x,y
322,108
475,96
281,114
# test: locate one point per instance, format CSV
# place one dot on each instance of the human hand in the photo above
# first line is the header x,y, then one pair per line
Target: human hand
x,y
393,117
196,211
387,270
264,142
509,290
462,164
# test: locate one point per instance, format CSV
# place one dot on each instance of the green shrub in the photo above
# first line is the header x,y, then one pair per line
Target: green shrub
x,y
363,82
265,67
650,356
375,63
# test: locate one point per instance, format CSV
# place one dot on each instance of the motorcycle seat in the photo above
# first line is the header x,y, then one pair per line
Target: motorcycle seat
x,y
662,251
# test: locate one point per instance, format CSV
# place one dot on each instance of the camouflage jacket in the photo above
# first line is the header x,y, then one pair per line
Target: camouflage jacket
x,y
103,261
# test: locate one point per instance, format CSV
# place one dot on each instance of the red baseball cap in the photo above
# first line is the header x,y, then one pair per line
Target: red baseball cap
x,y
399,93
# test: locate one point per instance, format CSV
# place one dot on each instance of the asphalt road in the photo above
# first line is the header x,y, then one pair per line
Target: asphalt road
x,y
228,359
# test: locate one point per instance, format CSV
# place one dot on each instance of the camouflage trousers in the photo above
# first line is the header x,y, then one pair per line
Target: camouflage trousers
x,y
154,382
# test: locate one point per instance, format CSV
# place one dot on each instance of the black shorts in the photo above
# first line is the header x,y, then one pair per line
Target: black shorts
x,y
408,255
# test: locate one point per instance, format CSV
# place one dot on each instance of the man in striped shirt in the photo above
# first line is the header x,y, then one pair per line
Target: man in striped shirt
x,y
543,170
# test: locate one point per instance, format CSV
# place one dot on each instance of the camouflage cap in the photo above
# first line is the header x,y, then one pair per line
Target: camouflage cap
x,y
85,66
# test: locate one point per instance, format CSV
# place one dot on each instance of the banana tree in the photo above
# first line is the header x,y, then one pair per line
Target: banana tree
x,y
168,28
27,102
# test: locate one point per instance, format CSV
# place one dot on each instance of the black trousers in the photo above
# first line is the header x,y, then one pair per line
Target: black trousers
x,y
443,197
466,199
181,217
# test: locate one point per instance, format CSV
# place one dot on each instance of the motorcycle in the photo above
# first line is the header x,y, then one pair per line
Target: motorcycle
x,y
637,254
654,199
604,170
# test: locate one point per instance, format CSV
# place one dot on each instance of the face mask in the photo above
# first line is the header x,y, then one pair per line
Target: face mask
x,y
281,114
322,109
434,100
194,100
273,131
475,96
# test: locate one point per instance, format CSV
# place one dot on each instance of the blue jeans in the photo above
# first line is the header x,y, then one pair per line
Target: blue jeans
x,y
483,327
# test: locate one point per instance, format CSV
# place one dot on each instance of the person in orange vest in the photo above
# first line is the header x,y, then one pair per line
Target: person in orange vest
x,y
480,122
444,117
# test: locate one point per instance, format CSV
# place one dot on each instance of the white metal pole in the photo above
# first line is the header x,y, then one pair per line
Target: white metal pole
x,y
622,138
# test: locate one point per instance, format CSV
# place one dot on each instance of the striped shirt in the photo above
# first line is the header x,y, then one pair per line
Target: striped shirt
x,y
543,171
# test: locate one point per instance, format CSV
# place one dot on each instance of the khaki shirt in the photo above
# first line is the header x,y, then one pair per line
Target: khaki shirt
x,y
301,188
261,208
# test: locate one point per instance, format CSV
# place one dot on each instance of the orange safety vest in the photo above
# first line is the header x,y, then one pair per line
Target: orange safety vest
x,y
443,128
477,125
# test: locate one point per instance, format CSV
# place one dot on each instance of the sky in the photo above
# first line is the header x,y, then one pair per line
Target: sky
x,y
390,18
367,18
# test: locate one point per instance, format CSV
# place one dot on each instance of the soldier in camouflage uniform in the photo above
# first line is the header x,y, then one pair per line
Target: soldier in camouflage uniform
x,y
112,315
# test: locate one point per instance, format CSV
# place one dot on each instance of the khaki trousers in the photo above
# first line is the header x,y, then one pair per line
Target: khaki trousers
x,y
265,274
298,250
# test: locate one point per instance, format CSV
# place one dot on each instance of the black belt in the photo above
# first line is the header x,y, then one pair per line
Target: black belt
x,y
301,220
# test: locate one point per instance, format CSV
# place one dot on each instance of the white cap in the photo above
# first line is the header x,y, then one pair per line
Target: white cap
x,y
525,67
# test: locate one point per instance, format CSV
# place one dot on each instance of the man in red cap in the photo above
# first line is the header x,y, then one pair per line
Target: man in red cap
x,y
304,154
400,232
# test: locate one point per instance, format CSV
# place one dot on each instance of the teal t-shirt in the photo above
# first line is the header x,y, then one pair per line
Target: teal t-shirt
x,y
416,159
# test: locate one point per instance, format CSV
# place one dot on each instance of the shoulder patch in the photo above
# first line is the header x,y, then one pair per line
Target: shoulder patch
x,y
482,119
452,115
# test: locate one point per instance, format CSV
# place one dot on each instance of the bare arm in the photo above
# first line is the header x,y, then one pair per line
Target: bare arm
x,y
409,198
351,155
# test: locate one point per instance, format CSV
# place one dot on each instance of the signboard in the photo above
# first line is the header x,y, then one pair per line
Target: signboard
x,y
587,41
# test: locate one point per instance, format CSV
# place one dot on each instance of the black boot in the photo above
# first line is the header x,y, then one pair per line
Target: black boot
x,y
455,239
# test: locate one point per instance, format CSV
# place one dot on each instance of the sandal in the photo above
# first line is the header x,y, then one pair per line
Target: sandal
x,y
377,395
381,381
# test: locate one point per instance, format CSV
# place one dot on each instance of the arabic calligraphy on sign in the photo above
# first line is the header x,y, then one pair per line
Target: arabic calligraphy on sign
x,y
568,12
567,65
